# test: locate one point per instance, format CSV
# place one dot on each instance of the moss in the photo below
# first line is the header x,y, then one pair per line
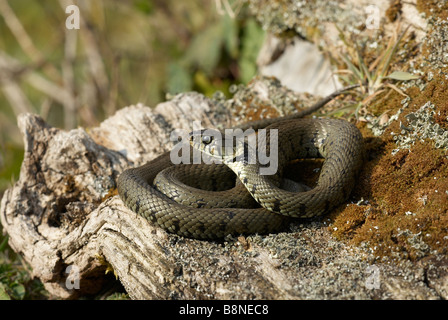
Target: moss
x,y
436,8
405,212
406,196
404,184
399,207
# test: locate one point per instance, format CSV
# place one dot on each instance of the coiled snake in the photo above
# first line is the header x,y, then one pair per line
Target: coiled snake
x,y
337,141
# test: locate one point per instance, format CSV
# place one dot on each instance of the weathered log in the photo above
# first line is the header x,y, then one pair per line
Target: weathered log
x,y
61,216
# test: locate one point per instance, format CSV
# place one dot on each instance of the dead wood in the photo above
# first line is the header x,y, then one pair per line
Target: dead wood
x,y
62,218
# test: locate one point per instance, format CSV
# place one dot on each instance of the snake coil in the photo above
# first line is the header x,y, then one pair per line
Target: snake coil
x,y
339,142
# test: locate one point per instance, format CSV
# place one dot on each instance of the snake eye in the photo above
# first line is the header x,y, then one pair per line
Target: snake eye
x,y
207,139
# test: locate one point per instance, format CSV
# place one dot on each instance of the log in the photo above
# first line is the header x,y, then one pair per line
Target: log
x,y
64,218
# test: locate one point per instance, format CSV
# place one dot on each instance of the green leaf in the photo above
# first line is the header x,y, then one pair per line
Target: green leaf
x,y
144,6
203,83
3,294
252,40
205,48
401,75
230,34
391,52
3,243
18,291
179,79
357,73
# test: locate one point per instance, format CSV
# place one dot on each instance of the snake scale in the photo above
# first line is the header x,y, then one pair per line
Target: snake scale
x,y
337,141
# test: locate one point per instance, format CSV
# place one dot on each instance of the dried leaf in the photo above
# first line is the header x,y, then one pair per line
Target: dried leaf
x,y
390,85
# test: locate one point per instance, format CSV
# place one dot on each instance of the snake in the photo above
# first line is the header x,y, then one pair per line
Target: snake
x,y
338,141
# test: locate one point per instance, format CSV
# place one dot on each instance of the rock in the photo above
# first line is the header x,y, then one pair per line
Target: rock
x,y
301,66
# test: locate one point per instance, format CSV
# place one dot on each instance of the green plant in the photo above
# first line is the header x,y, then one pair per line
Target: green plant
x,y
15,280
218,56
371,76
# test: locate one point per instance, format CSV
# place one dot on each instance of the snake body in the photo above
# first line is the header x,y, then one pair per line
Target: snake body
x,y
204,186
337,141
135,188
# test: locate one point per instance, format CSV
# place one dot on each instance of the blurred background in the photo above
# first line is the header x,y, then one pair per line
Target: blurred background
x,y
124,52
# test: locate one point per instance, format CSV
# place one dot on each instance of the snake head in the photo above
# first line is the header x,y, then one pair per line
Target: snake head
x,y
228,147
208,141
225,147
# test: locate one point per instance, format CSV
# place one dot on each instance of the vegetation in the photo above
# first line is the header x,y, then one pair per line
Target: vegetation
x,y
371,76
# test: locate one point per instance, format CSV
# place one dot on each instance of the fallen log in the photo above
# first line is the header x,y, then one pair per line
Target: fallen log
x,y
64,219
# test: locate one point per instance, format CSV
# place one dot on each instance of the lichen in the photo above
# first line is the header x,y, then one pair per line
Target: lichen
x,y
421,126
377,125
306,18
435,45
264,97
398,209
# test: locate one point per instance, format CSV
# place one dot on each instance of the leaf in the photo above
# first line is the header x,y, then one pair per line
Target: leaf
x,y
203,83
3,294
230,34
144,6
179,79
252,40
390,52
204,50
401,75
18,291
3,243
356,72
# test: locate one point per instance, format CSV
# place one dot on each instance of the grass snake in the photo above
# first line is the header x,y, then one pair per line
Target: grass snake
x,y
337,141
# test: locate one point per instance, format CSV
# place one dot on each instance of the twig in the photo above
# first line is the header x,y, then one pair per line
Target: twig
x,y
228,8
24,39
13,93
8,67
95,63
15,96
51,89
70,105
